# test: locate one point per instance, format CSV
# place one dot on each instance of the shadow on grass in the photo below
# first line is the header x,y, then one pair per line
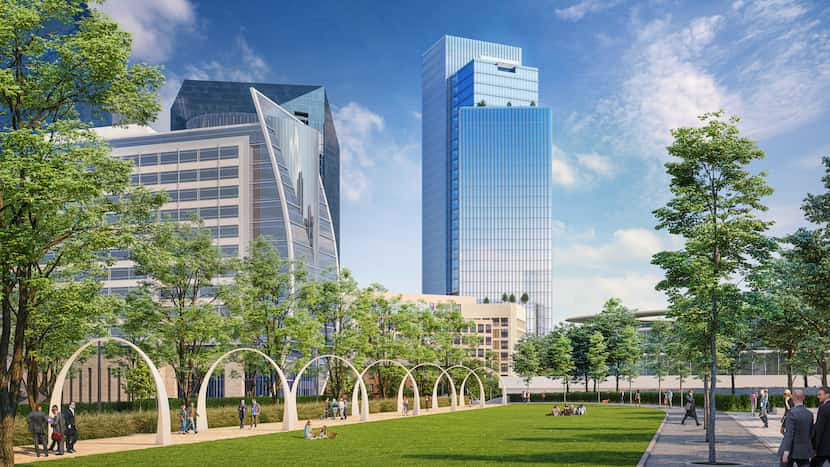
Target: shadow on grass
x,y
592,458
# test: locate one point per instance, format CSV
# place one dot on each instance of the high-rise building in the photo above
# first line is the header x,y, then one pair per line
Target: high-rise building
x,y
486,177
213,103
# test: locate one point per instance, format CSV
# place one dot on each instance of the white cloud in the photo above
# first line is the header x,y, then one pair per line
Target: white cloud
x,y
627,245
597,164
584,295
582,171
580,9
563,174
153,24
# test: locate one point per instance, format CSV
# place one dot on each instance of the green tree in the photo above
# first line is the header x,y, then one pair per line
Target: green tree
x,y
181,264
512,298
657,349
629,341
614,322
714,206
580,338
264,299
526,361
597,358
558,357
524,298
139,384
55,174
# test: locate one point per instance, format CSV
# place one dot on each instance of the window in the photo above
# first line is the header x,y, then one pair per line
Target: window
x,y
187,214
229,152
505,355
488,328
187,195
208,193
228,172
505,334
169,158
504,368
227,192
228,211
504,345
134,179
480,328
173,195
187,176
150,179
187,156
169,215
169,177
208,174
148,160
230,250
119,274
488,340
210,154
229,231
132,158
209,213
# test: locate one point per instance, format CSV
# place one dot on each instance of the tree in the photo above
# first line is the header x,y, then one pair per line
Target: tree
x,y
504,298
597,357
809,254
181,264
558,357
580,339
630,342
512,298
486,300
139,383
526,362
55,174
714,206
657,347
264,298
524,299
615,322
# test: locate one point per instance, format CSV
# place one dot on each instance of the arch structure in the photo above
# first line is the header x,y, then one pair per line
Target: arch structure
x,y
453,400
202,404
163,435
492,372
461,389
292,410
408,375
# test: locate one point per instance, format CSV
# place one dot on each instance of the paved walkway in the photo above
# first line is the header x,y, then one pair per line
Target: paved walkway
x,y
25,454
679,444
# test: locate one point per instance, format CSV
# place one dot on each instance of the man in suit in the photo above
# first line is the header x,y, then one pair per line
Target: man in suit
x,y
796,447
37,427
821,430
691,409
71,431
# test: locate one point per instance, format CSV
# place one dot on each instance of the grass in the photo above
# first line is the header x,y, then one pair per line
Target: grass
x,y
516,434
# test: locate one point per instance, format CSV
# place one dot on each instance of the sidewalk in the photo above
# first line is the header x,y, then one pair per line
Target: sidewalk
x,y
26,454
679,444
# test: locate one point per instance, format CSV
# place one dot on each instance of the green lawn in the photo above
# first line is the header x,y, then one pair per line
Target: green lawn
x,y
515,434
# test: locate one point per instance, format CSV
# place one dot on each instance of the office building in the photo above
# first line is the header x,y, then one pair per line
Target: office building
x,y
486,177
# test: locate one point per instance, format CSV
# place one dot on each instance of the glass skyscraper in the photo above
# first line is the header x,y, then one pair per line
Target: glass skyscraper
x,y
487,181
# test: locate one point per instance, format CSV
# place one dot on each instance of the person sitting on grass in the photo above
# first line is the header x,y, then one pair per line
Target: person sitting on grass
x,y
567,410
581,409
556,411
323,434
308,433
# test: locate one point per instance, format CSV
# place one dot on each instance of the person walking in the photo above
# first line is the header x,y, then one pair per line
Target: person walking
x,y
241,412
58,427
622,397
763,407
669,396
327,411
428,402
71,432
753,400
691,410
37,427
637,398
192,416
333,408
796,447
183,420
788,405
342,406
821,430
405,406
254,413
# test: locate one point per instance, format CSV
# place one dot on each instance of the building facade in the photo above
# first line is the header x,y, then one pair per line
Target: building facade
x,y
486,177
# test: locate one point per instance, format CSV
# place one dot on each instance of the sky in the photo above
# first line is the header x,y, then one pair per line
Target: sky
x,y
618,75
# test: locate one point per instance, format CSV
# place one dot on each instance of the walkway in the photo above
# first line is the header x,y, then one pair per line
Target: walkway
x,y
25,454
679,444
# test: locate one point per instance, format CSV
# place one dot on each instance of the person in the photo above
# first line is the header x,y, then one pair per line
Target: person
x,y
637,398
543,397
821,430
763,408
308,433
254,413
405,406
328,409
788,405
796,447
192,415
753,400
581,409
71,431
555,410
428,402
691,410
241,411
323,434
37,427
670,396
343,405
333,408
622,397
183,419
58,427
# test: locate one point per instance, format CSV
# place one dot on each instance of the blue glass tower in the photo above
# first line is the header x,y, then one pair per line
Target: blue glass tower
x,y
487,185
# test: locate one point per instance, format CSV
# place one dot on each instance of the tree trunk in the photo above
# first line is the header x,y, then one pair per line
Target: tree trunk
x,y
789,369
617,382
659,391
706,406
806,383
586,382
7,433
732,377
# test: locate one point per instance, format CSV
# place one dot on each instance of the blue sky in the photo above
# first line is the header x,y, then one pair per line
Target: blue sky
x,y
618,75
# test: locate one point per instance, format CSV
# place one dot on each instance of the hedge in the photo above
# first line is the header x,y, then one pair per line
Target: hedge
x,y
723,402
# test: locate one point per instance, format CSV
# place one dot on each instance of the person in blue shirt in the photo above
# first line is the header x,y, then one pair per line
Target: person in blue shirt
x,y
307,432
254,413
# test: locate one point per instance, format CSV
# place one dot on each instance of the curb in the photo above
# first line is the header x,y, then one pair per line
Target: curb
x,y
652,443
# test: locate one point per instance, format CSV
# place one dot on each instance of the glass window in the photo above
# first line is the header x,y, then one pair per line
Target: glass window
x,y
134,179
208,193
169,215
132,158
170,177
208,174
209,154
187,195
480,328
169,158
209,213
148,160
187,214
229,231
228,172
119,273
187,175
229,152
227,192
150,179
228,211
187,156
230,250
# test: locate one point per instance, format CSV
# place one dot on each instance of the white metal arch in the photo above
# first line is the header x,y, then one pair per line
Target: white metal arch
x,y
400,388
163,435
202,404
364,406
453,400
461,389
494,373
